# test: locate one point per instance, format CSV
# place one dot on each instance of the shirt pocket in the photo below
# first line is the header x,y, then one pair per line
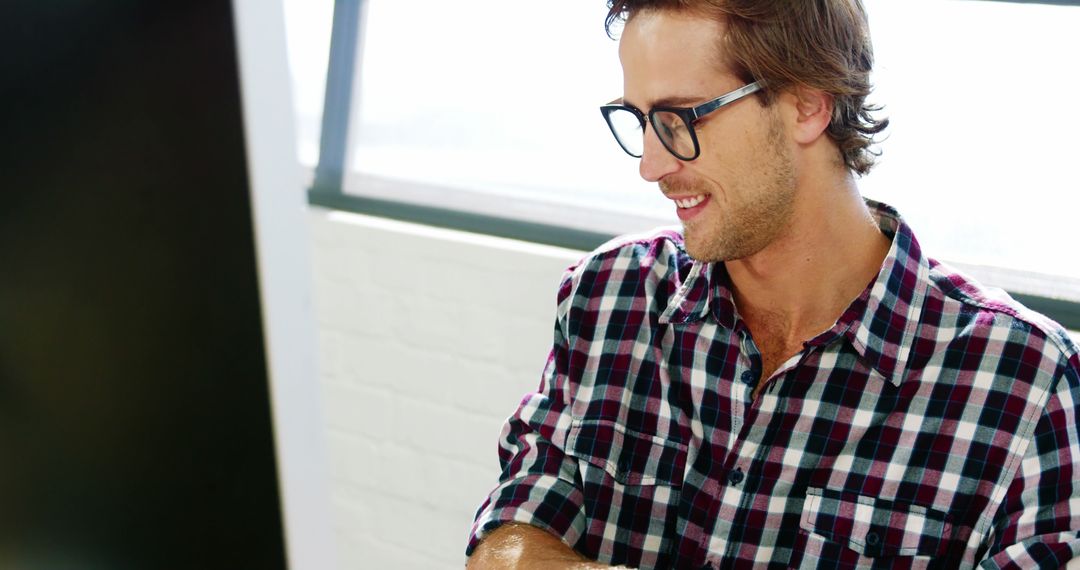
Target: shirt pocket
x,y
875,528
630,484
628,457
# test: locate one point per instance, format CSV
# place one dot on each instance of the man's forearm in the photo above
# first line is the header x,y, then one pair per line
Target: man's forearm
x,y
525,547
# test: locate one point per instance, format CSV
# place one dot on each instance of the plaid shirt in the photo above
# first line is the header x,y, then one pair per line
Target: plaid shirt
x,y
934,425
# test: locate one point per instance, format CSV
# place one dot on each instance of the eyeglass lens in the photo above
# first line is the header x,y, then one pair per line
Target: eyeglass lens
x,y
674,133
670,129
627,129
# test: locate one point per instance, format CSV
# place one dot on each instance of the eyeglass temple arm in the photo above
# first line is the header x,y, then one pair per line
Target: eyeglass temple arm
x,y
706,108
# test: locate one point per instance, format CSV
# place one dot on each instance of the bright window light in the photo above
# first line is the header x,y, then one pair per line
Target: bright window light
x,y
502,98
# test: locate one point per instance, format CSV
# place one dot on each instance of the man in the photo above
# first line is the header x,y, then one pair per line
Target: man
x,y
789,382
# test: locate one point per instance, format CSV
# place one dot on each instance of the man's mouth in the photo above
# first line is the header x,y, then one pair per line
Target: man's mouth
x,y
691,201
690,206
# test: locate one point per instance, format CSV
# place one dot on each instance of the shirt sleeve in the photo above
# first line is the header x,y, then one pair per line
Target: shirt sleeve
x,y
539,484
1038,523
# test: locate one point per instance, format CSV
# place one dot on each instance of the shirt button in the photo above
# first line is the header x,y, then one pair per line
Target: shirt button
x,y
736,476
748,377
872,539
624,466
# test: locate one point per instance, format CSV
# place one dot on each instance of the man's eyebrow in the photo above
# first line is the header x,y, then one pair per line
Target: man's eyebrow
x,y
673,101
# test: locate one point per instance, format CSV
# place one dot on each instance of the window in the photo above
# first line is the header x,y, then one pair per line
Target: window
x,y
980,156
492,106
498,97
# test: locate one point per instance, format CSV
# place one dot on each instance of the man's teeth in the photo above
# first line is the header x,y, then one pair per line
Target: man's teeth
x,y
690,202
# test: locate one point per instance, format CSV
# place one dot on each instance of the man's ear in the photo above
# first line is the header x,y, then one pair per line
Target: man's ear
x,y
813,112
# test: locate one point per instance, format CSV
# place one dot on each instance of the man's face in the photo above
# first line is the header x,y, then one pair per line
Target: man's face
x,y
738,195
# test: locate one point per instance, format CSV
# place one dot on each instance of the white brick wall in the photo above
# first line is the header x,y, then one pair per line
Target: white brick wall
x,y
428,339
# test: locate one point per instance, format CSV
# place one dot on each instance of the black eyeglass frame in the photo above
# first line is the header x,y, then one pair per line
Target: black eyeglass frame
x,y
689,116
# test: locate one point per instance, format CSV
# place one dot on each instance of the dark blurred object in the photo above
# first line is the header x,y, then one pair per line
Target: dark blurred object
x,y
135,427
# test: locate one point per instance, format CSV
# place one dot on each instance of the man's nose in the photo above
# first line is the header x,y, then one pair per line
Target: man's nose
x,y
656,162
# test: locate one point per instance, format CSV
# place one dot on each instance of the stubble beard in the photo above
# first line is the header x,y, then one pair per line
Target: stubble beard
x,y
754,213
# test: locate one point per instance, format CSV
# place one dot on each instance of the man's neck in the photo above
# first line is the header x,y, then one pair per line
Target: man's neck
x,y
800,284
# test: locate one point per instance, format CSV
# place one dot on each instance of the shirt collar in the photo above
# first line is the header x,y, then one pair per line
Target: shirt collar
x,y
692,299
880,324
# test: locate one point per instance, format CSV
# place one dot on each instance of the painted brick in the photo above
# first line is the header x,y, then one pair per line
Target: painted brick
x,y
359,410
437,533
354,512
429,340
460,486
368,552
502,389
442,430
344,307
350,457
399,471
359,367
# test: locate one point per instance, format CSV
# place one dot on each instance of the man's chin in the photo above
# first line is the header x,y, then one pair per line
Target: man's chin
x,y
697,247
712,248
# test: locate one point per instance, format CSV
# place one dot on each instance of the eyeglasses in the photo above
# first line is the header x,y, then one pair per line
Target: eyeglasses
x,y
674,126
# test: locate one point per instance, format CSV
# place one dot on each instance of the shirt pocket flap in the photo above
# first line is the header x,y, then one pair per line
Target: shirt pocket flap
x,y
631,458
873,527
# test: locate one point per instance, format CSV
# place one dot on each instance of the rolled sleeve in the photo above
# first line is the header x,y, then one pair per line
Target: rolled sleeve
x,y
543,501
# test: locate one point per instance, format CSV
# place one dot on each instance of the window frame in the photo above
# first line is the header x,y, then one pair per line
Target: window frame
x,y
1055,296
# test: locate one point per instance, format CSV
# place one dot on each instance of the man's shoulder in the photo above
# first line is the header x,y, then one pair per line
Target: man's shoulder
x,y
663,238
975,310
657,249
641,265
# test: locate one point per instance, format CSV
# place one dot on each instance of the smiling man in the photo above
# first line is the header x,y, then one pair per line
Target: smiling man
x,y
790,381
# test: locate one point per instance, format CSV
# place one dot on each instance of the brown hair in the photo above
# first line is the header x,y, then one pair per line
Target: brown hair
x,y
821,44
